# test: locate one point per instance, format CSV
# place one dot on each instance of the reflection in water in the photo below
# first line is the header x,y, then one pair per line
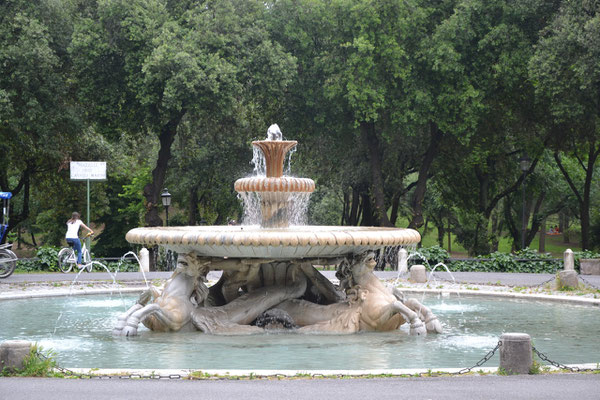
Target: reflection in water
x,y
472,327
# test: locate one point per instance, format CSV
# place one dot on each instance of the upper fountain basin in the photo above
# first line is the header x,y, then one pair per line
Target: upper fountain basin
x,y
279,243
281,184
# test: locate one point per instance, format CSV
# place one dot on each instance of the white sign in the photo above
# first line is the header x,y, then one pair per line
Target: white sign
x,y
84,170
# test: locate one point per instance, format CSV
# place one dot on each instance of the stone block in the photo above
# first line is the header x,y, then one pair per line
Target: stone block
x,y
13,353
567,279
418,273
515,353
590,266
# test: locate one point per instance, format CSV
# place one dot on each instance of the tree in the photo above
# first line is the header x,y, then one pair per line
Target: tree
x,y
486,107
566,71
37,118
144,66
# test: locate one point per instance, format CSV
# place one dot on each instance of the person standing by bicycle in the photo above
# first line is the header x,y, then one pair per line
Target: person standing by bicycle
x,y
72,235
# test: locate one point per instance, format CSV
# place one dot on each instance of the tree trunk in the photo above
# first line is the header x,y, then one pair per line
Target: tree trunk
x,y
495,232
421,187
441,231
369,135
565,229
449,239
153,190
395,205
583,198
345,208
366,211
193,206
542,241
354,210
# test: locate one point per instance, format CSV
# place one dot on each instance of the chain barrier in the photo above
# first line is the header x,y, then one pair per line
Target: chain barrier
x,y
480,362
543,283
588,283
542,356
68,372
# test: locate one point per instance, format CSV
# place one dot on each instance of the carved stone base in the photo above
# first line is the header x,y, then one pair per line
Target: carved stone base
x,y
258,294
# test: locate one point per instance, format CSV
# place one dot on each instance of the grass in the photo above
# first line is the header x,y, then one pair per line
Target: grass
x,y
554,244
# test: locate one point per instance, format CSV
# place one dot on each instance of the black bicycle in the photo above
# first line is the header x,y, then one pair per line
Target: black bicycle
x,y
8,259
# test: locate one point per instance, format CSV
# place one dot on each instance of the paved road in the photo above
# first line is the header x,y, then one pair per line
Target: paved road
x,y
481,278
526,387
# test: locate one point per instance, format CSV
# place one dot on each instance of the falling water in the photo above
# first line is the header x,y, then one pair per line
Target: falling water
x,y
113,276
259,162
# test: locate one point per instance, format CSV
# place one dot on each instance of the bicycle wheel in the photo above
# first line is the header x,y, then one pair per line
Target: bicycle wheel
x,y
66,259
8,263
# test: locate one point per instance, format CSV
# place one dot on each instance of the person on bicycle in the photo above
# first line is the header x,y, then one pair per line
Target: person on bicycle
x,y
72,235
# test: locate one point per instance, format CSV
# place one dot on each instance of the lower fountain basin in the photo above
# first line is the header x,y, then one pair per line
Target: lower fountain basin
x,y
472,326
280,243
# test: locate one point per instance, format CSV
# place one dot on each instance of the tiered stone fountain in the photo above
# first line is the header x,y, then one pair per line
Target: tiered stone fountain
x,y
269,279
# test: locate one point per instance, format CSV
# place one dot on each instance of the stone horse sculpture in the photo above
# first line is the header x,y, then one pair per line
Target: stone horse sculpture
x,y
370,306
183,303
384,309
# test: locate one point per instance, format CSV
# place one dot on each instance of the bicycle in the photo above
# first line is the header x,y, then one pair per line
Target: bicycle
x,y
8,259
67,258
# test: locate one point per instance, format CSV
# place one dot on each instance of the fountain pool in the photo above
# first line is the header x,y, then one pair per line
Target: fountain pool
x,y
472,325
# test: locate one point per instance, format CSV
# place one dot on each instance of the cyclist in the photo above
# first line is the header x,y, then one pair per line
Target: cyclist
x,y
72,235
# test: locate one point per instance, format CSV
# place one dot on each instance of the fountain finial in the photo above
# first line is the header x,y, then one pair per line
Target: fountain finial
x,y
274,133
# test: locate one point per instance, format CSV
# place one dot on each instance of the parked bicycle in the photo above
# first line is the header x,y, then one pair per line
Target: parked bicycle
x,y
8,259
67,258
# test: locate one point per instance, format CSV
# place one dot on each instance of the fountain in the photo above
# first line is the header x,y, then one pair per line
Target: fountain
x,y
269,278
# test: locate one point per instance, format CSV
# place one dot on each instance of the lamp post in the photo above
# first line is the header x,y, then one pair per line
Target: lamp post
x,y
166,201
524,163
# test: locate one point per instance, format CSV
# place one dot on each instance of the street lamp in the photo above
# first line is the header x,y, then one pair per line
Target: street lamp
x,y
166,201
524,163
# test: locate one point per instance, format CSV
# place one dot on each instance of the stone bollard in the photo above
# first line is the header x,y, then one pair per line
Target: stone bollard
x,y
13,353
516,353
144,260
569,260
567,278
418,273
402,261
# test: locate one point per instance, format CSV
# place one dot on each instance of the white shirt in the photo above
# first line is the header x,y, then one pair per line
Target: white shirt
x,y
73,229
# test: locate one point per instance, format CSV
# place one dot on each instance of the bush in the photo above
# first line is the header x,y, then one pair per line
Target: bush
x,y
39,363
46,260
527,261
433,254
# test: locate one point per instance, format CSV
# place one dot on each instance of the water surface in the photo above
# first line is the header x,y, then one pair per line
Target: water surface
x,y
78,329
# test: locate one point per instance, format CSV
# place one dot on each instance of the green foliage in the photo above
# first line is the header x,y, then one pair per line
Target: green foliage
x,y
125,266
324,207
433,254
526,261
119,80
46,260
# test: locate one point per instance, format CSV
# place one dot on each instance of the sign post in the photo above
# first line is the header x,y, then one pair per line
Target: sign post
x,y
88,171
